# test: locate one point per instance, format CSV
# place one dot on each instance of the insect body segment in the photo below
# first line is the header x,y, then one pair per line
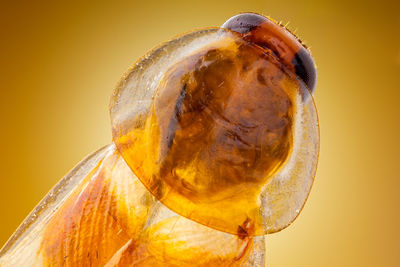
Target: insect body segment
x,y
283,44
221,123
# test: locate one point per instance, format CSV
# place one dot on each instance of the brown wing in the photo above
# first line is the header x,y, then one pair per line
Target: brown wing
x,y
109,218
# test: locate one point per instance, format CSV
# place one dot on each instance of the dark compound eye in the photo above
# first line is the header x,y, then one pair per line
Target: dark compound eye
x,y
244,23
286,46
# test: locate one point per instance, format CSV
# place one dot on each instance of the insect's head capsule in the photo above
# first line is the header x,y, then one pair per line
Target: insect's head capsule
x,y
279,40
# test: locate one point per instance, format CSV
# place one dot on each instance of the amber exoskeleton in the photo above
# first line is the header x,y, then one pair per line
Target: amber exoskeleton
x,y
215,144
223,129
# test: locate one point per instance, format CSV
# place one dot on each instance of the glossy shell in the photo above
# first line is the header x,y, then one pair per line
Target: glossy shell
x,y
220,129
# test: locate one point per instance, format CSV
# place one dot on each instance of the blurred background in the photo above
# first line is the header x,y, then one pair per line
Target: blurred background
x,y
61,59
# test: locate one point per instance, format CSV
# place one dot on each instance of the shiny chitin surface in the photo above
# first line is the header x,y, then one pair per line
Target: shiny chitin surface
x,y
276,38
108,218
224,133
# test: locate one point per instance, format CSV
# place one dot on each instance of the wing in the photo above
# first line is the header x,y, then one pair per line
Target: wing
x,y
101,214
23,245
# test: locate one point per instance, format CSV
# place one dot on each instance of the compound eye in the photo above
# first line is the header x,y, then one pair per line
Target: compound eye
x,y
244,23
277,39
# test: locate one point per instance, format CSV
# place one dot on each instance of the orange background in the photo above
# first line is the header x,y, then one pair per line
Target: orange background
x,y
61,59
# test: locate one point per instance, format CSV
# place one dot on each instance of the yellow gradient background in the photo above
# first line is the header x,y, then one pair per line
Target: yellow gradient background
x,y
61,59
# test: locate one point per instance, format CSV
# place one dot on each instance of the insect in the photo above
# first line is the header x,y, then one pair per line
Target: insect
x,y
215,144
